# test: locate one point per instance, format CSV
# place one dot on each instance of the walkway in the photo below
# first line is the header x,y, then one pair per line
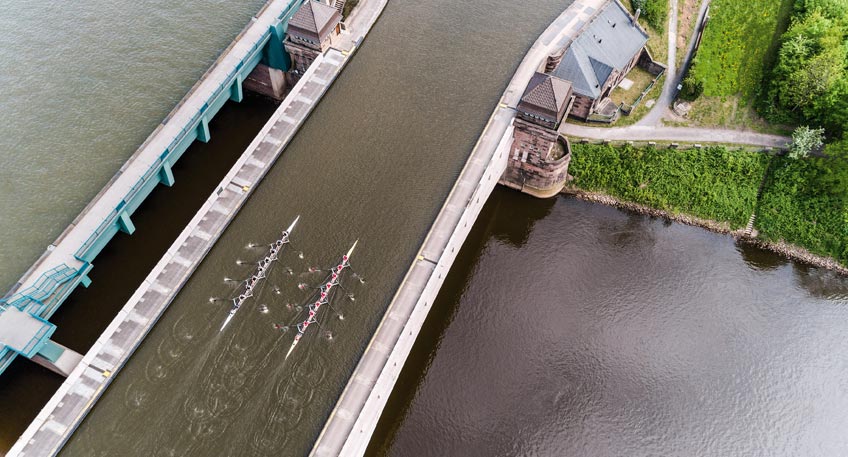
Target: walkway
x,y
352,422
75,398
669,90
675,134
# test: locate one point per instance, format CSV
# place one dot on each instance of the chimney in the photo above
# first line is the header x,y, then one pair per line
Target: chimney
x,y
636,16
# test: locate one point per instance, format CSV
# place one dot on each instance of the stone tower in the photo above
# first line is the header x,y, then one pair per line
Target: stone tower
x,y
539,156
311,31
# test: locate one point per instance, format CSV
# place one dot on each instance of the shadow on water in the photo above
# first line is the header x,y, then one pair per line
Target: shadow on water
x,y
514,231
25,387
760,259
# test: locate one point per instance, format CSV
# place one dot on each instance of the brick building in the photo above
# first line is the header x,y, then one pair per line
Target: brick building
x,y
599,58
311,31
539,156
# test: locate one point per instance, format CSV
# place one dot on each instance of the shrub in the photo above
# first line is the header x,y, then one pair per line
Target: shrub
x,y
655,12
804,141
712,183
693,87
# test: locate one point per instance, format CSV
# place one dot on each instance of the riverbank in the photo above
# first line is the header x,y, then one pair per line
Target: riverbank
x,y
787,250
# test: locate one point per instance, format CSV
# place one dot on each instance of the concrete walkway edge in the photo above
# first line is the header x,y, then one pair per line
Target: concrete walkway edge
x,y
351,424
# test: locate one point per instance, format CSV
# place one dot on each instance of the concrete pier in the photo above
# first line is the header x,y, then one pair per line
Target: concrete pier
x,y
352,422
77,395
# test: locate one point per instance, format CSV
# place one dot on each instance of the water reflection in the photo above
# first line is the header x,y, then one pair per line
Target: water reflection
x,y
760,259
608,333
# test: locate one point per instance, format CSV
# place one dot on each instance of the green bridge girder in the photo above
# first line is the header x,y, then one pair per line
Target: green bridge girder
x,y
62,280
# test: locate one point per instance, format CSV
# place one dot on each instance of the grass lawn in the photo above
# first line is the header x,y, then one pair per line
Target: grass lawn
x,y
711,183
732,112
640,78
793,211
738,45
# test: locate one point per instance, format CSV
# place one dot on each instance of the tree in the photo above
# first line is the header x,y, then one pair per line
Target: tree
x,y
693,87
804,141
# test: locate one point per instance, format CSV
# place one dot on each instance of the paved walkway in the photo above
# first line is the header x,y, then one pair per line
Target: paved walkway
x,y
675,134
352,422
76,396
669,90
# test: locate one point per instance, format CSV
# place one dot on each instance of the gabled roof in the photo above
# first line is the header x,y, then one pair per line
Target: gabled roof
x,y
609,42
545,95
315,17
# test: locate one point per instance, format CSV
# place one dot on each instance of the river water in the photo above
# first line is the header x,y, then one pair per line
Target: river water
x,y
567,328
82,84
373,162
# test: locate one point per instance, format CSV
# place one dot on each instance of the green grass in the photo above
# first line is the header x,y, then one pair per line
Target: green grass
x,y
731,112
640,78
738,46
735,44
348,7
794,209
710,183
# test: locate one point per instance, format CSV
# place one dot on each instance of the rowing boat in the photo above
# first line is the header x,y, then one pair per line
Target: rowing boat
x,y
331,281
260,272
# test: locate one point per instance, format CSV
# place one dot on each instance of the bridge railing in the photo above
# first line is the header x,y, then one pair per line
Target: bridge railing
x,y
191,125
45,287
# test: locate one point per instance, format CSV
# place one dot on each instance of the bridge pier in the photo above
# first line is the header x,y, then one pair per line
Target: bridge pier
x,y
166,175
203,130
125,224
236,90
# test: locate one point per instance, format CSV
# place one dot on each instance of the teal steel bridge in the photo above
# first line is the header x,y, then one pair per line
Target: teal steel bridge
x,y
25,310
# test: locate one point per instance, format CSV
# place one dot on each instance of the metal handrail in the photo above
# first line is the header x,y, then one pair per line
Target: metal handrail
x,y
156,166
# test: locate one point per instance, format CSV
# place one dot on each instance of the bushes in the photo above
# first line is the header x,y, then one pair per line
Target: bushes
x,y
655,12
805,202
809,82
693,87
348,7
711,183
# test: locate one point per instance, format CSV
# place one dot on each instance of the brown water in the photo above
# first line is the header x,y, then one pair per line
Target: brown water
x,y
571,329
25,387
373,162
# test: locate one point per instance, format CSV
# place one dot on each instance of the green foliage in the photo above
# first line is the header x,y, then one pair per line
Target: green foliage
x,y
655,12
809,81
711,183
693,87
805,202
348,7
804,141
735,43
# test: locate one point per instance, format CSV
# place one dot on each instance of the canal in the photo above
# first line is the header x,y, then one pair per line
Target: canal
x,y
567,328
564,328
373,162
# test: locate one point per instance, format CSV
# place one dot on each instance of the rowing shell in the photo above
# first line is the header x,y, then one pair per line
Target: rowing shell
x,y
273,254
332,281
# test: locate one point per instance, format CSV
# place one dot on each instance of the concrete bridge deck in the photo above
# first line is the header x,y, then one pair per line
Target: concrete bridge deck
x,y
352,422
66,262
77,395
